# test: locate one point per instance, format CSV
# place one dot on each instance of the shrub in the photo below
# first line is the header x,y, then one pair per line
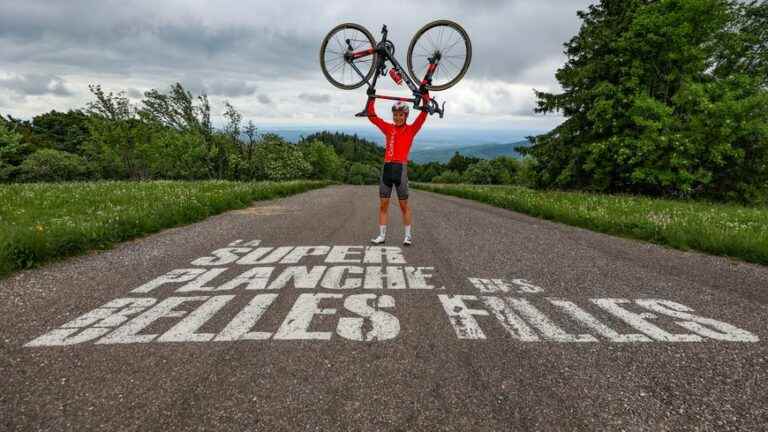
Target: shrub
x,y
448,176
54,165
360,174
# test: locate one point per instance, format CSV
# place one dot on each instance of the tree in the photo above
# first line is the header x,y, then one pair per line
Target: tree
x,y
460,163
115,136
448,176
177,109
323,161
642,80
61,131
53,165
12,150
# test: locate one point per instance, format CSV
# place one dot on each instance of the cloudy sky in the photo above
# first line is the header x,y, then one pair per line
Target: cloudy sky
x,y
262,56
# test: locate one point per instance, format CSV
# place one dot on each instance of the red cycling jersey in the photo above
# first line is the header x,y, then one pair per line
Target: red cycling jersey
x,y
399,138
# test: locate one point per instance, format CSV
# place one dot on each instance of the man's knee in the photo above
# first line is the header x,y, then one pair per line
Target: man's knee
x,y
403,204
383,203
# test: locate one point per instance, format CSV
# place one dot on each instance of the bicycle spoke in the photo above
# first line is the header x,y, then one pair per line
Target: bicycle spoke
x,y
447,50
452,63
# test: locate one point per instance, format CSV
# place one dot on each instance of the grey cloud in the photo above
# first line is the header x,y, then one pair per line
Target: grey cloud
x,y
36,84
231,88
135,93
264,99
237,49
226,87
315,98
507,37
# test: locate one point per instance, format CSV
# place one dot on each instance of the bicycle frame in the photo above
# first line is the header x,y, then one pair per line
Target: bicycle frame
x,y
421,100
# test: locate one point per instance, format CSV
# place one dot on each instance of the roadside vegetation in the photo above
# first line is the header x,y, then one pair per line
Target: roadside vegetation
x,y
719,229
42,221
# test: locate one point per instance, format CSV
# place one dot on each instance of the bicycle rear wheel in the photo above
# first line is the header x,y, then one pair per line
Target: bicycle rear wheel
x,y
446,40
336,68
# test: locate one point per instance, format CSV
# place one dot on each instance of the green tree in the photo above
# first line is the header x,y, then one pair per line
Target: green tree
x,y
460,163
323,160
361,174
448,176
178,109
483,172
53,165
642,80
276,159
12,151
65,131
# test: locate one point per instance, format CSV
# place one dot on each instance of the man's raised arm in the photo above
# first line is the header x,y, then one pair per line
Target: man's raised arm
x,y
375,119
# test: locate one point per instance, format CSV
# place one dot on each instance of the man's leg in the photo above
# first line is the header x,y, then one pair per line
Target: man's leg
x,y
385,191
383,211
405,209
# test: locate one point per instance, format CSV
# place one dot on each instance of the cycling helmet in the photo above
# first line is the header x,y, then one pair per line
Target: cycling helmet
x,y
400,106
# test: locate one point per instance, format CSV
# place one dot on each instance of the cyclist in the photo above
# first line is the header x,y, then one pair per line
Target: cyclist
x,y
399,137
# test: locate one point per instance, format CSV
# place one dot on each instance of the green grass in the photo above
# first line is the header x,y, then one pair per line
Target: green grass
x,y
43,221
718,229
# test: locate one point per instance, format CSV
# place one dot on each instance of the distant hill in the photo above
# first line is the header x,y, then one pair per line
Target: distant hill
x,y
484,151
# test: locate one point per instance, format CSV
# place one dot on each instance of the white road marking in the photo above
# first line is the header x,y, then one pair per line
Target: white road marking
x,y
128,333
511,322
198,284
173,276
298,320
461,316
640,321
240,326
549,330
706,327
185,330
265,255
590,322
222,256
253,279
383,325
302,277
334,276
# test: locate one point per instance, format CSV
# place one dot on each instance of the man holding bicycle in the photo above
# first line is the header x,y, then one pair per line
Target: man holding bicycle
x,y
350,58
394,174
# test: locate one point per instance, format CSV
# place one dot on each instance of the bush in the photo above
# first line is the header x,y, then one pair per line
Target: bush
x,y
54,165
448,176
482,172
361,174
171,154
323,160
277,160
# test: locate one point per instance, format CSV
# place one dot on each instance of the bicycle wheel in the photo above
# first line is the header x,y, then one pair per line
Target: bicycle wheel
x,y
335,67
446,39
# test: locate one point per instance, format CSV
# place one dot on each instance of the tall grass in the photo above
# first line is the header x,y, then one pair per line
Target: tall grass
x,y
41,221
719,229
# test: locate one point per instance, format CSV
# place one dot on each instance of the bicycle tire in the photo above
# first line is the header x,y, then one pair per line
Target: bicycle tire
x,y
462,71
324,46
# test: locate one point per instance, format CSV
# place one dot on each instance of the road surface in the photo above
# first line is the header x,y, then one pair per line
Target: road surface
x,y
280,317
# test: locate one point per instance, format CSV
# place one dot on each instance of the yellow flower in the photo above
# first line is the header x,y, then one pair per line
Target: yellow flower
x,y
39,228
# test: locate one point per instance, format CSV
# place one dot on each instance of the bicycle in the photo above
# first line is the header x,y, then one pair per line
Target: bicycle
x,y
431,51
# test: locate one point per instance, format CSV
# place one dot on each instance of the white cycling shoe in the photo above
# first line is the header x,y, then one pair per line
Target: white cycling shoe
x,y
407,240
378,240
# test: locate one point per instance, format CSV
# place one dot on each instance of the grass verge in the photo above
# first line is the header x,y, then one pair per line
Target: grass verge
x,y
718,229
43,221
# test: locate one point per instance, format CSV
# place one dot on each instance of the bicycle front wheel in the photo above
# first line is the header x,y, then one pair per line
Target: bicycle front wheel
x,y
337,70
447,41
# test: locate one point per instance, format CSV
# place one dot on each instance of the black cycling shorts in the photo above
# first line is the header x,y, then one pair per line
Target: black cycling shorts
x,y
394,175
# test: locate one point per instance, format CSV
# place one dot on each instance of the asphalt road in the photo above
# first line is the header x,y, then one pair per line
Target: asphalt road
x,y
578,331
